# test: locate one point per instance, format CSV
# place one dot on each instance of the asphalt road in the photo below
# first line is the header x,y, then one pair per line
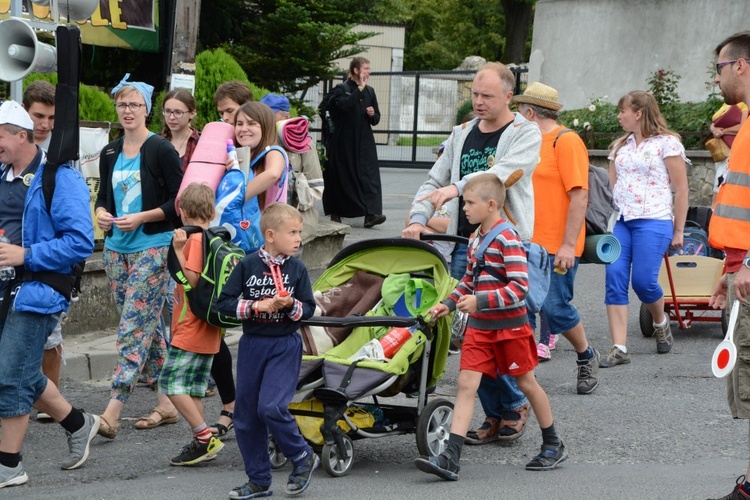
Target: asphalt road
x,y
656,428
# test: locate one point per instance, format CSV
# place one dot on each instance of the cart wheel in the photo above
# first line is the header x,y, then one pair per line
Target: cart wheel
x,y
333,463
647,322
433,427
724,321
278,460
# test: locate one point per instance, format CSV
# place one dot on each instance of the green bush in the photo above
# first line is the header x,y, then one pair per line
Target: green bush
x,y
598,123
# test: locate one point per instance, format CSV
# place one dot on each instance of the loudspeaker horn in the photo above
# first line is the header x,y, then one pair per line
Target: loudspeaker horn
x,y
73,10
21,53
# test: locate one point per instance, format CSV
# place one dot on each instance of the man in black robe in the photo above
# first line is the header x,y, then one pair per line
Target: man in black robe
x,y
351,175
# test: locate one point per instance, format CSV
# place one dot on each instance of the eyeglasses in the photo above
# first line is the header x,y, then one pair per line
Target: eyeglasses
x,y
178,113
132,106
722,64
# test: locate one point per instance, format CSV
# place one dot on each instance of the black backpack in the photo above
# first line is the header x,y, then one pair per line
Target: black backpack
x,y
601,206
220,257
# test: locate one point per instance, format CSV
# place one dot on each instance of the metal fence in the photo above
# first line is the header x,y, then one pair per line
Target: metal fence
x,y
418,111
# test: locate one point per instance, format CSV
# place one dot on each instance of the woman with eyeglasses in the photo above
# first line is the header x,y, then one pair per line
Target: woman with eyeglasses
x,y
140,174
646,165
178,110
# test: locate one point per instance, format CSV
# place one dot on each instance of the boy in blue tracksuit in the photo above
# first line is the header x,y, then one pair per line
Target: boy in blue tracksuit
x,y
275,295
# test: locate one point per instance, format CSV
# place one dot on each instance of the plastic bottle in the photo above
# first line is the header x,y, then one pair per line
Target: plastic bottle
x,y
232,154
394,340
6,272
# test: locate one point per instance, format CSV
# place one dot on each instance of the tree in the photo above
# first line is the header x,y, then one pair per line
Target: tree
x,y
441,33
285,45
519,16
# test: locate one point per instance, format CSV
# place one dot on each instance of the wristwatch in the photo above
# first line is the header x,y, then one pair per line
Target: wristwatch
x,y
746,262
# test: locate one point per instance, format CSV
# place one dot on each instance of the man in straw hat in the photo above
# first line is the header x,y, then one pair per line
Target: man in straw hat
x,y
500,142
730,228
561,194
44,243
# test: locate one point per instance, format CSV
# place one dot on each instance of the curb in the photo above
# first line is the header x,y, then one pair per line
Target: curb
x,y
91,356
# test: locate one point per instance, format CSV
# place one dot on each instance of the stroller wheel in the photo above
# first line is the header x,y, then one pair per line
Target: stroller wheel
x,y
278,460
434,427
332,460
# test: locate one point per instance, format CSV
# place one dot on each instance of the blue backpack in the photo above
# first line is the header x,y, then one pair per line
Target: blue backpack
x,y
538,267
694,242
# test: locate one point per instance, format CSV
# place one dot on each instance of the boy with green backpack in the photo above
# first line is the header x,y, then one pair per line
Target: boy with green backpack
x,y
184,377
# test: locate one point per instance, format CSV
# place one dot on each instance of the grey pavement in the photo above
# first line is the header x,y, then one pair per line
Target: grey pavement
x,y
656,428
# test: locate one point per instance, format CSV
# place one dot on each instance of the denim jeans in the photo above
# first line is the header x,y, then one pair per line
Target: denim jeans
x,y
495,395
22,338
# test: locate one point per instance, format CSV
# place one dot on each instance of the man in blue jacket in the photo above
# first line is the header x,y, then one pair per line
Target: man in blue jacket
x,y
44,243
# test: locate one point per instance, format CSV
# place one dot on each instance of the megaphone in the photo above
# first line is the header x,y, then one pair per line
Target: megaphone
x,y
73,10
21,53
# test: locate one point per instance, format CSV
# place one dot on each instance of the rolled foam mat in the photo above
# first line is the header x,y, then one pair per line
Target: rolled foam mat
x,y
601,249
208,163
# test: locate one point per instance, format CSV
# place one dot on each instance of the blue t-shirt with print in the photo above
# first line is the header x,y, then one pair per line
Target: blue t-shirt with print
x,y
126,185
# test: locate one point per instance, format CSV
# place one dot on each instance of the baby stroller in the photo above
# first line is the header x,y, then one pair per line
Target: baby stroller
x,y
351,385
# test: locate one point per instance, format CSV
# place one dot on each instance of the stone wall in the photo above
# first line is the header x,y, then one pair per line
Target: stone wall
x,y
592,48
700,174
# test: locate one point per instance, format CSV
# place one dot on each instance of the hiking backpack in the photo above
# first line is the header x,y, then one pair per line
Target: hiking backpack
x,y
220,257
601,211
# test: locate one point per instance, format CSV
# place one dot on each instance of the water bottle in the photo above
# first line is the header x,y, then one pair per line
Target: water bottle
x,y
232,154
6,272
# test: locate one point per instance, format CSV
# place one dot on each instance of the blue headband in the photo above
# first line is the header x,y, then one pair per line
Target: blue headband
x,y
145,89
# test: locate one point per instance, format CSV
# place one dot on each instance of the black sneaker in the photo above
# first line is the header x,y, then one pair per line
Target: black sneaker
x,y
549,458
737,493
197,452
440,465
300,477
250,490
336,218
374,220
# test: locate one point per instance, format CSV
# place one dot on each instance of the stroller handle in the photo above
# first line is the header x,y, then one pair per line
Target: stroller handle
x,y
351,321
452,238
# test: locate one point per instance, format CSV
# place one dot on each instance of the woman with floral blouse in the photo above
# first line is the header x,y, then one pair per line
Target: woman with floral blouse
x,y
645,165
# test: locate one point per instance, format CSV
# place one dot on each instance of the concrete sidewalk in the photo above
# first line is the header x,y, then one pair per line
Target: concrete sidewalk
x,y
91,356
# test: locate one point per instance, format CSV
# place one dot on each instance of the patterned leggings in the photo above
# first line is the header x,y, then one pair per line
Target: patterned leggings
x,y
139,282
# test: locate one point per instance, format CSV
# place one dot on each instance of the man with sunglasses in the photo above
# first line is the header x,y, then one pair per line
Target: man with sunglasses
x,y
730,229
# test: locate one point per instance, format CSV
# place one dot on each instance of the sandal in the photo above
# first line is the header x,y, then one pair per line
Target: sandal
x,y
487,433
513,423
147,422
221,429
106,429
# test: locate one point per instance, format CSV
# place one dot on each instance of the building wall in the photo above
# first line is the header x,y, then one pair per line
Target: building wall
x,y
592,48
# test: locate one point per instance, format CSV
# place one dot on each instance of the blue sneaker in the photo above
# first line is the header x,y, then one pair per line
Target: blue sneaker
x,y
250,490
549,458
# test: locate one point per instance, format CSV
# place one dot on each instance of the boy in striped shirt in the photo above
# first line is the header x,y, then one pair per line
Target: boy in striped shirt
x,y
498,336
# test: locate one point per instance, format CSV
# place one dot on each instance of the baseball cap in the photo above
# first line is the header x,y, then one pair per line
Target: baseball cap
x,y
11,113
276,102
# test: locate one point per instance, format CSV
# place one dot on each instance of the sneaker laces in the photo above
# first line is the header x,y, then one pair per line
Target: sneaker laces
x,y
660,333
584,371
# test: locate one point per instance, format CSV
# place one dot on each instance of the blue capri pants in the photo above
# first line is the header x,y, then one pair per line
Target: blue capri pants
x,y
643,243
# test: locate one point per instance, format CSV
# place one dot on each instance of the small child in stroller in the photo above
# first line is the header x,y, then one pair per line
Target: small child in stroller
x,y
498,336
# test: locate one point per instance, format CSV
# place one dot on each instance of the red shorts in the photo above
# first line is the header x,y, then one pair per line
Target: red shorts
x,y
511,351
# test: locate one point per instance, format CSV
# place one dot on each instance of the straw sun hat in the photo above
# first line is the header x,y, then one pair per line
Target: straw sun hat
x,y
539,94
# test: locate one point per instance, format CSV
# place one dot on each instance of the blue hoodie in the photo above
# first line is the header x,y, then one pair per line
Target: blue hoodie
x,y
55,240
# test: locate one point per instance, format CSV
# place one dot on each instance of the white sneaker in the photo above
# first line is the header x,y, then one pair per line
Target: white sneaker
x,y
12,476
43,417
